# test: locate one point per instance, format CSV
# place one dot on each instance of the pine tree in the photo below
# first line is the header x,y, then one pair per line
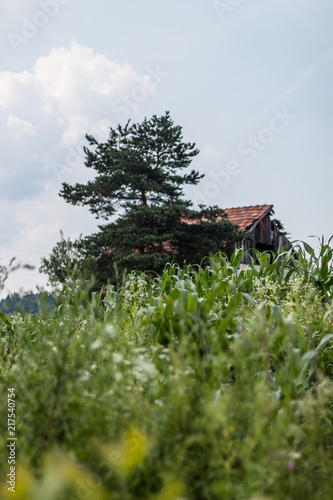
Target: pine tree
x,y
137,165
139,178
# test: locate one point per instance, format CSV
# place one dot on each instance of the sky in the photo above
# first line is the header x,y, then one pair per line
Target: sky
x,y
249,81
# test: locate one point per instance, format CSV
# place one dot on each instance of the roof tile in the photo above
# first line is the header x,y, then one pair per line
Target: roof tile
x,y
244,217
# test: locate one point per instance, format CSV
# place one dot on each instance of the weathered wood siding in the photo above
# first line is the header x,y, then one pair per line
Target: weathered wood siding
x,y
266,237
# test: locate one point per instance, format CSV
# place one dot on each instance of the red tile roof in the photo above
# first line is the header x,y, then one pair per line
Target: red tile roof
x,y
245,217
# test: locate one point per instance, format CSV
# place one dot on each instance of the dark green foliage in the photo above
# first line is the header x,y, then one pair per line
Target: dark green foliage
x,y
29,303
147,238
136,166
138,172
68,264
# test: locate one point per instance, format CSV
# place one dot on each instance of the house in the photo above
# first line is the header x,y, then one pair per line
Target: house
x,y
267,233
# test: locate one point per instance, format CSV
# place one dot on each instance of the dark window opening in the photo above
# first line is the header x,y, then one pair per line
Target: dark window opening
x,y
263,247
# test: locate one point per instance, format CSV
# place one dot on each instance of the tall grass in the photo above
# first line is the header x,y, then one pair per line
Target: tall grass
x,y
207,382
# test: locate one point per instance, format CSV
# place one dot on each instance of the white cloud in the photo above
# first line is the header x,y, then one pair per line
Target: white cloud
x,y
44,115
67,81
22,126
68,93
69,78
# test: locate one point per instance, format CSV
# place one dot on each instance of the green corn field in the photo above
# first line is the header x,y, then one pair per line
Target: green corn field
x,y
203,383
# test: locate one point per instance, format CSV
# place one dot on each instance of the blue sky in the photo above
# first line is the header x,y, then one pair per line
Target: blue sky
x,y
249,81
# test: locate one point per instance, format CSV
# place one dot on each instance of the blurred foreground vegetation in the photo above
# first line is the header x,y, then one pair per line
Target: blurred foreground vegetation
x,y
210,382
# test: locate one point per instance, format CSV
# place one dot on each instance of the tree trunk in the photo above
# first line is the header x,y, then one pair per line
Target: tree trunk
x,y
143,198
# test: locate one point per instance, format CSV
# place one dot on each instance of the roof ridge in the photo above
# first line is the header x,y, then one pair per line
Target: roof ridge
x,y
250,206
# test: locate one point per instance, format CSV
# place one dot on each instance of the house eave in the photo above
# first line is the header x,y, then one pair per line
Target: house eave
x,y
269,211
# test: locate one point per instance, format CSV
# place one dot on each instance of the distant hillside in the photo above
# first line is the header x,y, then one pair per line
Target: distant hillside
x,y
30,303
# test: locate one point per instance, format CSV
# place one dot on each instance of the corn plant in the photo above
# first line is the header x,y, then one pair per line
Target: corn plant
x,y
206,382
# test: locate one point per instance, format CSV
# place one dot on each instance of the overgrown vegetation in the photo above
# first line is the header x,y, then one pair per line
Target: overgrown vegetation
x,y
212,382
